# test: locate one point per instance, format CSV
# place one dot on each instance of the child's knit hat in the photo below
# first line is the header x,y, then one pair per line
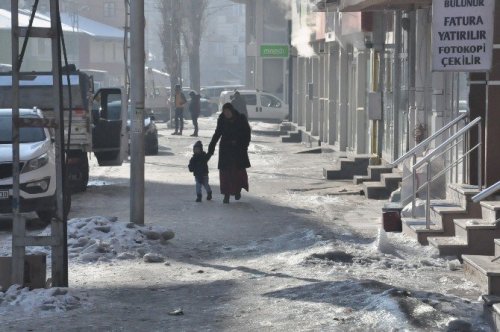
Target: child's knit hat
x,y
198,144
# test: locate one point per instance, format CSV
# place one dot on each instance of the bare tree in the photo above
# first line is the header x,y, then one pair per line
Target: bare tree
x,y
194,13
170,37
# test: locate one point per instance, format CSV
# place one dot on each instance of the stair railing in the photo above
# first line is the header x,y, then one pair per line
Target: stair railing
x,y
417,149
486,192
447,145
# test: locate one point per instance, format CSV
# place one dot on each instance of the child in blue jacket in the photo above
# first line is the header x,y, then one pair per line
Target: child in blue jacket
x,y
199,167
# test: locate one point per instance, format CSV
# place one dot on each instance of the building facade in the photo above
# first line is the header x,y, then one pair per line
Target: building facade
x,y
267,27
363,83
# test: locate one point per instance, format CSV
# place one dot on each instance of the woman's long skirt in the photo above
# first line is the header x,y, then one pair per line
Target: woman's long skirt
x,y
233,180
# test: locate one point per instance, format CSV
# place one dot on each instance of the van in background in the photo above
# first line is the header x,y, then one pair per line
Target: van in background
x,y
212,93
260,105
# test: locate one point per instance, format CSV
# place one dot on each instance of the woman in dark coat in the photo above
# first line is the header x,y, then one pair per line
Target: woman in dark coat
x,y
234,133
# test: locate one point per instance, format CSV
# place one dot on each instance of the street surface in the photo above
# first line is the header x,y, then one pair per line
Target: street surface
x,y
297,253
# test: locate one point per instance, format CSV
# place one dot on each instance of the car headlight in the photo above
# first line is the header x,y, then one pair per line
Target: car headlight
x,y
36,163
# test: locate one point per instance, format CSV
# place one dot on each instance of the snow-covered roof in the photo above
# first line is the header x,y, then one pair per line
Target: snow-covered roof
x,y
93,28
85,25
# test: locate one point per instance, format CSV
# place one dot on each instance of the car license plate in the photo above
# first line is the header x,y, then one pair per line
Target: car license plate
x,y
4,194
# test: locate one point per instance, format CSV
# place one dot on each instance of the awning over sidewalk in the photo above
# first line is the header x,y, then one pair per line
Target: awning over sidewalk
x,y
372,5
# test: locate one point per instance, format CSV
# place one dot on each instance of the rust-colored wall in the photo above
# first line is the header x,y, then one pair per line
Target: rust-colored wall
x,y
477,106
490,112
492,125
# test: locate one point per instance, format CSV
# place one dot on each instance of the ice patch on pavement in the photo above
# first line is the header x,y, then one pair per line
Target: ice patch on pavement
x,y
312,201
370,305
285,242
48,300
259,148
262,126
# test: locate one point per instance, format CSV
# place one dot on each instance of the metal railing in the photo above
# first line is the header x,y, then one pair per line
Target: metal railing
x,y
486,192
425,143
417,150
450,143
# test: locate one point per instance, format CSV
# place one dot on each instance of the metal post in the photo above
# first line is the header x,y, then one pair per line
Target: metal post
x,y
58,226
18,225
290,74
137,57
428,198
479,156
414,189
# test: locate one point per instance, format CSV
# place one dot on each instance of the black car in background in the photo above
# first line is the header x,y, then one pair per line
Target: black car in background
x,y
150,130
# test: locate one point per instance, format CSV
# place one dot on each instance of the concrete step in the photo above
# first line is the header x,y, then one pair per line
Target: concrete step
x,y
348,167
473,237
490,211
449,245
391,180
483,272
444,213
417,229
374,171
292,137
376,190
359,179
461,194
497,247
495,316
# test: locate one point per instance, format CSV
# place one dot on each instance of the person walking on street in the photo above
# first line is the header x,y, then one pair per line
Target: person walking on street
x,y
180,101
194,109
239,103
234,133
198,165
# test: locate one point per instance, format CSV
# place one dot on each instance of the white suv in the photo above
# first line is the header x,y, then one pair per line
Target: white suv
x,y
37,161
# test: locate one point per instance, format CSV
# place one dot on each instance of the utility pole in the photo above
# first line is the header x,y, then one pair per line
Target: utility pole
x,y
137,57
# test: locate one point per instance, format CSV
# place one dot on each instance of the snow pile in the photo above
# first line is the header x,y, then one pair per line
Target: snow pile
x,y
254,148
382,244
264,126
52,299
103,239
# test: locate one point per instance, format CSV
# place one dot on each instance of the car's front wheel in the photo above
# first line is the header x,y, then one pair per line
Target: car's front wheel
x,y
46,216
152,146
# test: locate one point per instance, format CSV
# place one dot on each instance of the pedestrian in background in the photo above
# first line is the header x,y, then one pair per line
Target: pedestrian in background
x,y
234,133
198,165
194,109
180,101
239,103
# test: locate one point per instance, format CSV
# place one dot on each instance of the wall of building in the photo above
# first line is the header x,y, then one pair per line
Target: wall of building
x,y
223,44
266,25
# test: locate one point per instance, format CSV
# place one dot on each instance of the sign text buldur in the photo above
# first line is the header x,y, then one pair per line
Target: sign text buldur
x,y
462,35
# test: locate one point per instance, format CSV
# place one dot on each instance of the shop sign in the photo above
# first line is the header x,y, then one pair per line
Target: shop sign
x,y
462,35
274,51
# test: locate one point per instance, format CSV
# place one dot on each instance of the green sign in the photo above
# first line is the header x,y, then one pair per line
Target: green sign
x,y
274,51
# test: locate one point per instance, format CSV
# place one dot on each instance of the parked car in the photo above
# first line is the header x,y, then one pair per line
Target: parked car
x,y
212,93
150,130
260,105
37,165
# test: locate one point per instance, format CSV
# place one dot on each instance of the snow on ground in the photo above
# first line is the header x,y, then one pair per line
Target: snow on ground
x,y
103,239
18,299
